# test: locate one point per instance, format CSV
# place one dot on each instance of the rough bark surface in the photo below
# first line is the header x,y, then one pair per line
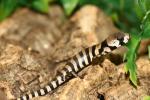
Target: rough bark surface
x,y
34,47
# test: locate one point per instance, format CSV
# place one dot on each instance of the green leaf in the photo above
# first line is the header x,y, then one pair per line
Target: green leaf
x,y
131,67
138,10
69,5
7,7
145,25
146,30
40,5
114,17
142,5
147,98
147,3
25,2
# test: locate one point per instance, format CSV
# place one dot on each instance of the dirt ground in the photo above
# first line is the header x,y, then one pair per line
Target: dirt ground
x,y
35,47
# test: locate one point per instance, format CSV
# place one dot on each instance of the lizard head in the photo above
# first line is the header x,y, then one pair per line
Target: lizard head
x,y
118,39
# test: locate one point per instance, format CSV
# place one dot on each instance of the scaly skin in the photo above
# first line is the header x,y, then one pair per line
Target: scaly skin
x,y
79,62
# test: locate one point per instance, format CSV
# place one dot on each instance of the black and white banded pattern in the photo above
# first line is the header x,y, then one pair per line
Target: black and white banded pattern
x,y
79,62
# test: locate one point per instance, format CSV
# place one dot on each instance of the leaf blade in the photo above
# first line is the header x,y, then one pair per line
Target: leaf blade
x,y
131,67
41,5
69,5
7,7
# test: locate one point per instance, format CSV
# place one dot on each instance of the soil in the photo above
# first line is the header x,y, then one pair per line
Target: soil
x,y
35,47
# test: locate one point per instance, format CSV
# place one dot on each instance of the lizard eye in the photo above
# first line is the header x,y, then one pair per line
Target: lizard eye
x,y
120,37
